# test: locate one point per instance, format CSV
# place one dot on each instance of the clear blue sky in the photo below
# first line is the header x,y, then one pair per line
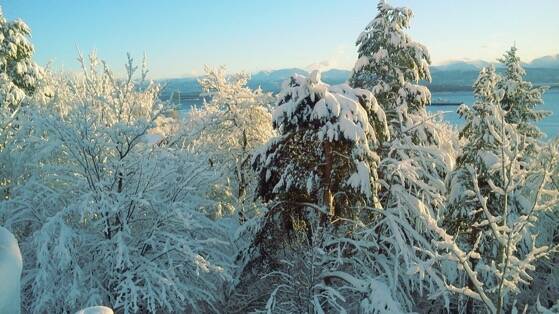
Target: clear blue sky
x,y
180,36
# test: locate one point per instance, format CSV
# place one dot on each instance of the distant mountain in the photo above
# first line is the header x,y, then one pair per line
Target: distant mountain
x,y
335,76
452,76
549,62
546,62
275,75
461,65
272,80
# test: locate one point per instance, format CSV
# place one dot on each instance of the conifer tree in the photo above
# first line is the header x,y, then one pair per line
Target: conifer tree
x,y
415,156
19,75
391,64
493,206
520,97
318,170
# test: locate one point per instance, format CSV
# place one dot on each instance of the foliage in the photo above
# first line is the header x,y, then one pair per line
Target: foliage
x,y
109,218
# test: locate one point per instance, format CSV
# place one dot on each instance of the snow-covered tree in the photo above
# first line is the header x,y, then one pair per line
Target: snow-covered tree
x,y
317,172
19,75
322,154
520,97
495,199
546,275
228,128
110,218
420,149
335,270
417,153
19,79
391,64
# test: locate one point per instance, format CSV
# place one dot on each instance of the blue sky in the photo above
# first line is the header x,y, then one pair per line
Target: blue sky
x,y
180,36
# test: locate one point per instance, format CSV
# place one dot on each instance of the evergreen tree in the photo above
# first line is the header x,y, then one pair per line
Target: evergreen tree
x,y
19,75
520,97
494,203
483,132
318,170
391,64
20,78
416,156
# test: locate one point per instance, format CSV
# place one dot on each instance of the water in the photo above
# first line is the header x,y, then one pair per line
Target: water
x,y
549,125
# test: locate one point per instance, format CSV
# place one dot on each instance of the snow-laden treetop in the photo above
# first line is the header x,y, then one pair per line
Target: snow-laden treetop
x,y
340,112
317,124
387,54
18,74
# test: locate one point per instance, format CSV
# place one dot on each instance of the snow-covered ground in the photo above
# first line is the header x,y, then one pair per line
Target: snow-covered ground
x,y
96,310
10,272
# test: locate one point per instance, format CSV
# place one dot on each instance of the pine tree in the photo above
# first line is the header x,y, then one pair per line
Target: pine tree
x,y
483,131
318,170
495,199
20,78
520,97
391,64
322,155
418,152
19,75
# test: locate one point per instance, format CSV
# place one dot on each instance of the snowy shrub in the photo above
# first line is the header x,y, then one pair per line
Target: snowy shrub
x,y
228,128
110,218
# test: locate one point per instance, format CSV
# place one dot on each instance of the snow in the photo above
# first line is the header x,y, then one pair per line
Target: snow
x,y
490,159
10,272
361,180
314,77
96,310
361,63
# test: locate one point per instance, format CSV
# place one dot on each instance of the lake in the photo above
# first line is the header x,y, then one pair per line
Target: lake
x,y
549,125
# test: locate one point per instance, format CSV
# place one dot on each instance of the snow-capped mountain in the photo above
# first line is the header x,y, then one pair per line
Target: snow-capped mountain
x,y
549,62
461,65
453,75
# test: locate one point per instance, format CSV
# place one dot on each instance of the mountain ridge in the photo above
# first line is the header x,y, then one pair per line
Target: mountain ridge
x,y
452,76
